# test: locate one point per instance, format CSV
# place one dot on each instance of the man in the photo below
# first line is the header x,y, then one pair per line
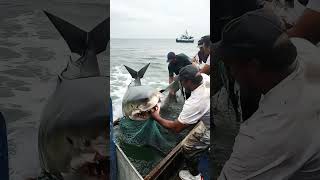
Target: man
x,y
201,58
279,140
206,49
225,93
176,62
195,109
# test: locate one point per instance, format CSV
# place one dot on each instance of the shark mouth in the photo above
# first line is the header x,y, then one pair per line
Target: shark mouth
x,y
142,113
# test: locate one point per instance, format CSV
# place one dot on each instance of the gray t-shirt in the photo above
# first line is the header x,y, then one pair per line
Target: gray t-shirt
x,y
281,140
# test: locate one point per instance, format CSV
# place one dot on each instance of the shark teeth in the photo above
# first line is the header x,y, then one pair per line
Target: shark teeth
x,y
142,111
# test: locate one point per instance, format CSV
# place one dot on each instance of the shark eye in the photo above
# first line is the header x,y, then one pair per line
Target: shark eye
x,y
69,140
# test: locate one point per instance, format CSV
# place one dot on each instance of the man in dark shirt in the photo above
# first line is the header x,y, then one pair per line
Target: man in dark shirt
x,y
176,62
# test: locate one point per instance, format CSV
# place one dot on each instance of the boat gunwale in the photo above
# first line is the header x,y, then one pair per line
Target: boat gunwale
x,y
165,162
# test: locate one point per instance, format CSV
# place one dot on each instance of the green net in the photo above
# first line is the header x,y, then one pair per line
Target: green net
x,y
146,143
150,132
146,133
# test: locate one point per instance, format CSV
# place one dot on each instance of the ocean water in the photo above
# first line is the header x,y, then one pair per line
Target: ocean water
x,y
136,53
32,53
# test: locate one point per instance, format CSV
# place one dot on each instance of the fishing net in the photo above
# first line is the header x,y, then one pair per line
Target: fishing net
x,y
146,142
149,133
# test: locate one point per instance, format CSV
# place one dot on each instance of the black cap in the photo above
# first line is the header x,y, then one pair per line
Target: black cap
x,y
251,35
188,72
206,40
170,56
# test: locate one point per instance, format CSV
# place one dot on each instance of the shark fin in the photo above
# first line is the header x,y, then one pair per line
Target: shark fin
x,y
79,40
133,73
100,36
137,75
75,37
142,71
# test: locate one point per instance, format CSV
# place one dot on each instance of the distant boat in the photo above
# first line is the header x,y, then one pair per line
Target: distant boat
x,y
185,38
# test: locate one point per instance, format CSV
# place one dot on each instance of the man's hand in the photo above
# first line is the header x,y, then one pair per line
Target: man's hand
x,y
155,112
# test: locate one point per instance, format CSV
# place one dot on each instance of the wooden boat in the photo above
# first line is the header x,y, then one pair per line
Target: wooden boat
x,y
167,168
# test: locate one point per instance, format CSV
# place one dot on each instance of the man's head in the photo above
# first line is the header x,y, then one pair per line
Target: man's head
x,y
206,44
200,45
171,57
255,49
190,77
201,53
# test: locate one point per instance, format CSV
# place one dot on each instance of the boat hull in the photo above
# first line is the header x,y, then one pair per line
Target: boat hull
x,y
166,168
184,40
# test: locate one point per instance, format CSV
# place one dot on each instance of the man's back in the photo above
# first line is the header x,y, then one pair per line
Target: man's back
x,y
182,60
201,98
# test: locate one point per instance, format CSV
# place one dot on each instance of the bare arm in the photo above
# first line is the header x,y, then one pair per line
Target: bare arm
x,y
205,69
174,126
170,79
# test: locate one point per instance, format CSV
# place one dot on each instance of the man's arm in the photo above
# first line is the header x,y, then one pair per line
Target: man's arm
x,y
171,76
175,126
170,79
205,69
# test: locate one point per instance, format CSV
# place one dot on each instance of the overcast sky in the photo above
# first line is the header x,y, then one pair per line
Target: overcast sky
x,y
159,18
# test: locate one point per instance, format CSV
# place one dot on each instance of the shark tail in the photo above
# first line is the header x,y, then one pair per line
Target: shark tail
x,y
79,40
137,75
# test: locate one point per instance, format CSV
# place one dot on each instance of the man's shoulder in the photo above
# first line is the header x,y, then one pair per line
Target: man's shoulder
x,y
182,56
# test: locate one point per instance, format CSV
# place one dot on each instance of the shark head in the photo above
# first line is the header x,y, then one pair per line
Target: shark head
x,y
139,99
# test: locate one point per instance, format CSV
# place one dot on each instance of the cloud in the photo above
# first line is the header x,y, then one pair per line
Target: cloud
x,y
159,19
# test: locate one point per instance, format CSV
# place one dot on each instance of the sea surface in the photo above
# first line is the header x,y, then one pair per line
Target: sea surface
x,y
32,54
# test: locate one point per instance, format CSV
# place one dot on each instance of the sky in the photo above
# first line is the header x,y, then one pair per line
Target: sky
x,y
159,19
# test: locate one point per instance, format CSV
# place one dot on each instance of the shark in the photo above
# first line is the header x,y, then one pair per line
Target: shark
x,y
73,135
139,99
